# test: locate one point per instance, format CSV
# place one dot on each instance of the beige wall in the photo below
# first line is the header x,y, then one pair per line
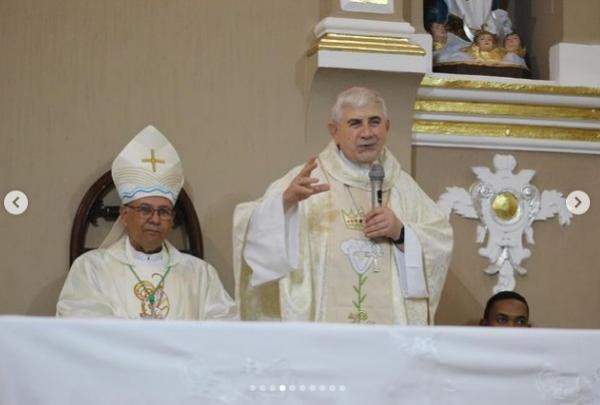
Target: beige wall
x,y
413,13
563,279
544,23
78,78
581,21
540,23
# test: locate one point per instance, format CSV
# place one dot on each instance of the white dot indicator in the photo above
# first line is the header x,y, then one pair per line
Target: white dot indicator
x,y
342,388
282,388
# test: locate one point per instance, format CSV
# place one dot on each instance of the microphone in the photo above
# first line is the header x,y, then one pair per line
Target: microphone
x,y
376,175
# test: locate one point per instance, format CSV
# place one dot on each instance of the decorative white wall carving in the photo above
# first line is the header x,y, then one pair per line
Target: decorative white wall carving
x,y
506,205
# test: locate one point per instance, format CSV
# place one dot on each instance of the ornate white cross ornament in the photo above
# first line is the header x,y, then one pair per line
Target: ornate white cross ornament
x,y
506,204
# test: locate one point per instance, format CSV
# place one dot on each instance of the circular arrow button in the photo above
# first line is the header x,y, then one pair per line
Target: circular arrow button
x,y
16,202
578,202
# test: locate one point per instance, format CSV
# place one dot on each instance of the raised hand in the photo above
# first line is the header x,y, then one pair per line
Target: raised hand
x,y
382,223
303,186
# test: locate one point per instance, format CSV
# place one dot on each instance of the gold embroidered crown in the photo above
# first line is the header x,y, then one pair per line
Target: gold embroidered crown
x,y
354,219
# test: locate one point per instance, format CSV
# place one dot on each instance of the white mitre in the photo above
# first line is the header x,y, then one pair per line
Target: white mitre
x,y
148,166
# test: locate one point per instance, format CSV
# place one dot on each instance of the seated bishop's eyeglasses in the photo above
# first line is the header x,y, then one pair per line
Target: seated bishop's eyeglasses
x,y
146,211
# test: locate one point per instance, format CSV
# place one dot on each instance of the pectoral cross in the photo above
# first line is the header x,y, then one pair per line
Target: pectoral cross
x,y
153,160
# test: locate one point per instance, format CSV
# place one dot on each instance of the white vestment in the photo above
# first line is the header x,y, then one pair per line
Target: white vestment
x,y
117,281
265,240
478,14
451,52
474,13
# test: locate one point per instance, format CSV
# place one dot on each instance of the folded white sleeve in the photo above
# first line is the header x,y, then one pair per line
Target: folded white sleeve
x,y
272,241
410,266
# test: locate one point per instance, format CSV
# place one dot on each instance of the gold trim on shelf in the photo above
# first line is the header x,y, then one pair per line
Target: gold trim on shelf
x,y
429,81
505,131
511,110
366,43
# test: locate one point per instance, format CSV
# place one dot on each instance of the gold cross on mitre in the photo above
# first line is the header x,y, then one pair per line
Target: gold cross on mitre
x,y
153,160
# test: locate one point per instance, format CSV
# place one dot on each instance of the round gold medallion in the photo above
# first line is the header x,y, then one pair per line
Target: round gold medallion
x,y
505,205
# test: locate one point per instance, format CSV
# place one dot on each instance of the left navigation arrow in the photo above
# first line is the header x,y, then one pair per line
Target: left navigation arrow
x,y
16,202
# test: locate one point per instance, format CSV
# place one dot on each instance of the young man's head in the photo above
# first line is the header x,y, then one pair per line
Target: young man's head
x,y
506,308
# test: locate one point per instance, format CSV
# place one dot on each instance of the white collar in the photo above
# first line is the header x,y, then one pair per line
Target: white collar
x,y
141,257
362,168
343,170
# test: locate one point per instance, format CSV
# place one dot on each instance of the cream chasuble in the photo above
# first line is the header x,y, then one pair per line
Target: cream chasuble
x,y
318,285
358,271
120,282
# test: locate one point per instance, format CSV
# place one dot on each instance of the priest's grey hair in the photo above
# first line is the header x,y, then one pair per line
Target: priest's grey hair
x,y
357,97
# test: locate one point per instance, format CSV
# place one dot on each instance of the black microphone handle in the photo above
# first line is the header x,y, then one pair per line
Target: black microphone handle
x,y
376,194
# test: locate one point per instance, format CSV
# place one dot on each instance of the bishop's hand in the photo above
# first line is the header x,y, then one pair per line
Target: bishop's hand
x,y
303,186
382,223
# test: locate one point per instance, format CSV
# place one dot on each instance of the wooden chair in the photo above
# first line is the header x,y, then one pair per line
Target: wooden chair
x,y
92,208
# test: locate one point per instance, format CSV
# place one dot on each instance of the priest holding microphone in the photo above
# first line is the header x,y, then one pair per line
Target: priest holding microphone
x,y
348,237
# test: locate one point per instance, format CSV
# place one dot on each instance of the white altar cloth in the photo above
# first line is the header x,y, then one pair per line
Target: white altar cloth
x,y
68,361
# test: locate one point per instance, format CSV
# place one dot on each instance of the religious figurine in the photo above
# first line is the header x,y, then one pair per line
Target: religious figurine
x,y
469,16
512,43
440,35
470,37
485,50
515,52
445,44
